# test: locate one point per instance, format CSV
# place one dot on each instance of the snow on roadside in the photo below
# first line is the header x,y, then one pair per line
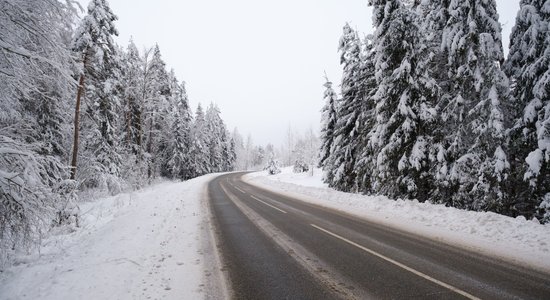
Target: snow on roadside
x,y
312,178
139,245
515,239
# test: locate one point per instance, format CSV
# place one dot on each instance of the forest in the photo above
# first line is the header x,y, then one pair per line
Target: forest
x,y
430,109
81,115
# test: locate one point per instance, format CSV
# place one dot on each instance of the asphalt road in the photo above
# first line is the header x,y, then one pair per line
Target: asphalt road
x,y
276,247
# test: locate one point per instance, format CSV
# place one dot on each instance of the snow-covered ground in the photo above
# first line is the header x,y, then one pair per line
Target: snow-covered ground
x,y
155,243
515,239
141,245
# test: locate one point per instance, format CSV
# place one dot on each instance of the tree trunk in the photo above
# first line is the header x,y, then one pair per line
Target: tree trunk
x,y
77,119
150,149
129,120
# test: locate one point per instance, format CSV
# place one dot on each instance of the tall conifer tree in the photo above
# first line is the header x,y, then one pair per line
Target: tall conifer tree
x,y
340,170
199,147
100,79
328,124
405,103
474,165
528,66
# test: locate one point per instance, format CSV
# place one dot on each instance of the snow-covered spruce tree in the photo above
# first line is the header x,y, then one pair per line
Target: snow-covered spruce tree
x,y
249,149
310,144
226,151
216,134
164,134
217,140
33,120
473,165
132,99
340,169
232,154
200,155
405,100
328,124
165,123
258,156
528,67
240,151
180,161
365,157
248,153
133,166
155,92
434,15
273,167
301,164
100,81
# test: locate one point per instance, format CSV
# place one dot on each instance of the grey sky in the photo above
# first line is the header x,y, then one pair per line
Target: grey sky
x,y
261,62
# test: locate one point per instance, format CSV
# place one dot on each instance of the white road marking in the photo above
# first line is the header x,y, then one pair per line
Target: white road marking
x,y
443,284
255,198
239,189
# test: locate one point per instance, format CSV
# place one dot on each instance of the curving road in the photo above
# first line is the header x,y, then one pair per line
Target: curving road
x,y
277,247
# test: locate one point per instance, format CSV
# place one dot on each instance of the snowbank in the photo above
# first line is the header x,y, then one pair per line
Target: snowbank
x,y
514,239
139,245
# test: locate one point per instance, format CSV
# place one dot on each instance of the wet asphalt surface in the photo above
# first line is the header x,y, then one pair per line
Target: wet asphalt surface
x,y
364,259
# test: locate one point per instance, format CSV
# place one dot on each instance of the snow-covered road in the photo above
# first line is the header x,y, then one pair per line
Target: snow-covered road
x,y
141,245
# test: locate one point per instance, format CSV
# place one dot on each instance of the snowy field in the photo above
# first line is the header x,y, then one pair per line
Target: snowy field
x,y
515,239
140,245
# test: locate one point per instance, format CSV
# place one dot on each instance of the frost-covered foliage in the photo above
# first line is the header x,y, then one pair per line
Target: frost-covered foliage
x,y
328,124
218,141
27,197
340,167
300,167
156,91
301,164
545,207
273,167
199,147
426,111
405,104
241,157
231,154
131,98
68,211
244,155
131,130
473,165
101,74
528,67
36,69
134,123
33,42
435,14
179,163
366,159
212,149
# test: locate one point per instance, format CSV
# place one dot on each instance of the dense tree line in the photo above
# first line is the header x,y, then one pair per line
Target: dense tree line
x,y
431,110
77,112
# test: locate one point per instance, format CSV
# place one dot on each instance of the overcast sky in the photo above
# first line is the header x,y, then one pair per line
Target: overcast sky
x,y
261,62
